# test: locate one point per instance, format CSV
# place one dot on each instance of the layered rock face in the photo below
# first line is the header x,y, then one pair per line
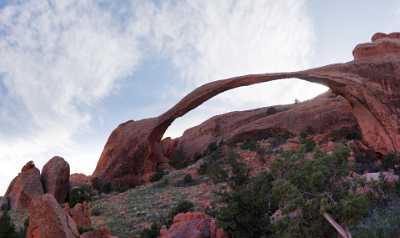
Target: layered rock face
x,y
370,84
322,114
55,178
193,225
25,187
48,220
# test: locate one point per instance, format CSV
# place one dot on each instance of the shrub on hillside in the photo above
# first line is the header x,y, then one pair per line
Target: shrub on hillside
x,y
8,229
80,194
152,232
249,144
213,166
157,176
381,222
178,160
245,211
299,189
101,185
181,207
239,170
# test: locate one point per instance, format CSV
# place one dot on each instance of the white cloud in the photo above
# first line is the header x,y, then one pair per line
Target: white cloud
x,y
58,58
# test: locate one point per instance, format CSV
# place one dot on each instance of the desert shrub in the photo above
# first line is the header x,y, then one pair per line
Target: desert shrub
x,y
157,176
152,232
82,229
302,191
186,181
181,207
245,211
8,229
79,195
102,185
239,170
381,222
347,133
178,160
390,161
213,166
307,145
249,144
365,161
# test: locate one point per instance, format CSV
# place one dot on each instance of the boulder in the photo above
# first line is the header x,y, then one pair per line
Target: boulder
x,y
193,225
80,213
48,220
25,187
55,178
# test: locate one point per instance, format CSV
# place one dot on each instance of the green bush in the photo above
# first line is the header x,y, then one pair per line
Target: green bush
x,y
82,229
102,185
178,160
181,207
152,232
8,229
390,161
188,179
307,145
301,190
157,176
79,195
249,144
381,222
245,211
213,166
239,170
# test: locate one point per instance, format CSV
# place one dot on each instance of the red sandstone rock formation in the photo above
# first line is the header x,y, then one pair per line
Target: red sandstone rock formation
x,y
48,220
78,180
80,213
193,225
55,178
370,83
25,187
322,114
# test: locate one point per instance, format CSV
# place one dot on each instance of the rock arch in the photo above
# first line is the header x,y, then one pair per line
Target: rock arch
x,y
370,83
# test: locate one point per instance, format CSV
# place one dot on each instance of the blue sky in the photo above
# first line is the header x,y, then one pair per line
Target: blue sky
x,y
72,70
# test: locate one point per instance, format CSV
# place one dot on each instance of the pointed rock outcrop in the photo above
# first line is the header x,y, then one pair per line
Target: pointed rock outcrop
x,y
24,188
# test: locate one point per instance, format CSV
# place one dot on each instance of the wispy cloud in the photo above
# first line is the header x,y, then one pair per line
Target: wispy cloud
x,y
59,58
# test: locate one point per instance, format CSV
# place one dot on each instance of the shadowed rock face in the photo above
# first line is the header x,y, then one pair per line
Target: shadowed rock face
x,y
370,83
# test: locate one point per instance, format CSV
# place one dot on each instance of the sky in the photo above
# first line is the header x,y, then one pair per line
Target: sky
x,y
72,70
